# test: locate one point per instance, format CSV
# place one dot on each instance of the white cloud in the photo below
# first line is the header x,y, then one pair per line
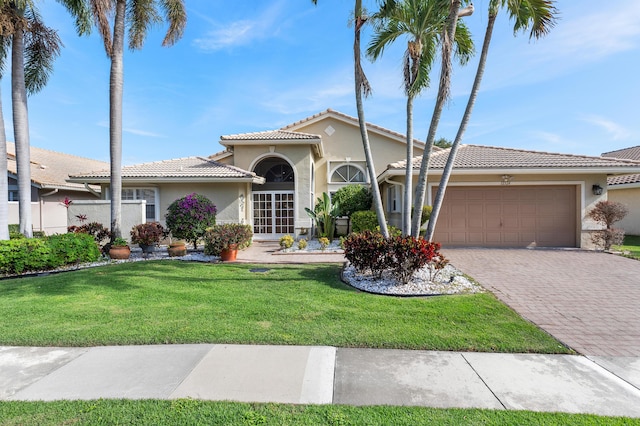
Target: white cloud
x,y
242,32
615,130
134,131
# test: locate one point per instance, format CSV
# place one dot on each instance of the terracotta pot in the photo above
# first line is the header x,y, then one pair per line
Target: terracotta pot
x,y
177,249
119,252
229,254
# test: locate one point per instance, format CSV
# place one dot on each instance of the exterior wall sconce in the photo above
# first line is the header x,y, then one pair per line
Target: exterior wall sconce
x,y
597,189
506,179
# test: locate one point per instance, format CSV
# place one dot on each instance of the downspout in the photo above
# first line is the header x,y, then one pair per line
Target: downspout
x,y
91,190
400,184
52,192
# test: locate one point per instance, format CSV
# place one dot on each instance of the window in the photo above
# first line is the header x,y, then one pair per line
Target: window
x,y
149,195
393,199
13,195
348,173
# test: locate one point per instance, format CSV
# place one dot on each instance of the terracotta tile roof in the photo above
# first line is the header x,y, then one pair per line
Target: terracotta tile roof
x,y
354,120
271,135
51,169
488,157
623,179
190,167
632,153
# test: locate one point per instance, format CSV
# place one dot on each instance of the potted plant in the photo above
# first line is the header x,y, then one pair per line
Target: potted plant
x,y
119,249
147,235
177,248
225,240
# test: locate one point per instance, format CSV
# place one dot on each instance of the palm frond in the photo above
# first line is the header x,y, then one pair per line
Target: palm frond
x,y
5,47
141,15
81,11
42,47
102,11
176,16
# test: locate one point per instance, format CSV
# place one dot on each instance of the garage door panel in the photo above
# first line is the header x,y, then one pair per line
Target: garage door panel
x,y
509,216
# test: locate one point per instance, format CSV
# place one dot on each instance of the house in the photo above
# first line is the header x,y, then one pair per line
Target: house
x,y
626,189
498,196
265,179
49,187
502,197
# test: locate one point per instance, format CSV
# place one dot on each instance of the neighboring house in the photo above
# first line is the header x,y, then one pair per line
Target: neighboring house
x,y
265,179
49,187
626,189
497,196
501,197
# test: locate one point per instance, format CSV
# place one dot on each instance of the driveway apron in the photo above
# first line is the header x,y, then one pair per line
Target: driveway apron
x,y
590,301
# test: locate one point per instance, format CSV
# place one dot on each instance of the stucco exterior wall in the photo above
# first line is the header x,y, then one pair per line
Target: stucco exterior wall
x,y
133,213
229,199
631,198
301,159
49,213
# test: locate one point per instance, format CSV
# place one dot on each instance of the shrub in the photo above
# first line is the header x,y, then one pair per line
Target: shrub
x,y
286,241
410,254
606,213
95,229
35,254
324,243
352,198
221,237
403,256
302,244
147,234
67,249
365,220
367,251
189,217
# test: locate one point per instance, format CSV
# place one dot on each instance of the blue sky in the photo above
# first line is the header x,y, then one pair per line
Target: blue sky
x,y
247,66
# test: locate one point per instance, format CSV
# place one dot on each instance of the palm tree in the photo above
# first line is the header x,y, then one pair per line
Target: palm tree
x,y
539,16
139,15
448,36
422,21
362,87
4,181
34,47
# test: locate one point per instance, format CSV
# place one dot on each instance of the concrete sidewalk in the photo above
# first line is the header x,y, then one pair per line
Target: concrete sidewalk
x,y
325,375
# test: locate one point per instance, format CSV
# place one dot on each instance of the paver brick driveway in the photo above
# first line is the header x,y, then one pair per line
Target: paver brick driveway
x,y
589,301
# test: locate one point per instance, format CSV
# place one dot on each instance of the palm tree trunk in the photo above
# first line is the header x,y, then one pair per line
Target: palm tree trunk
x,y
360,85
443,93
4,181
21,133
116,84
446,174
408,176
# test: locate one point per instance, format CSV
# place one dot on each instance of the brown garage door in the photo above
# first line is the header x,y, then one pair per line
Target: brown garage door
x,y
508,216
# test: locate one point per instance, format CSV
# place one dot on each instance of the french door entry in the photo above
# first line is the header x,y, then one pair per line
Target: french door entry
x,y
273,213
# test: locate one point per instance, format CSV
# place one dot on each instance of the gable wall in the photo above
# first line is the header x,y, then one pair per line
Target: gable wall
x,y
347,142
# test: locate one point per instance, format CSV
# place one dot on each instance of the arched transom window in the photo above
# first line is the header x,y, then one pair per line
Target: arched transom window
x,y
348,174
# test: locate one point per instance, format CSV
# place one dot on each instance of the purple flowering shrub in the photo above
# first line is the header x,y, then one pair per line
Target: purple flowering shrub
x,y
189,217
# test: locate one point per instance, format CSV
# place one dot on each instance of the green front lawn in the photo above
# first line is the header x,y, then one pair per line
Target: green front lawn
x,y
194,412
631,245
178,302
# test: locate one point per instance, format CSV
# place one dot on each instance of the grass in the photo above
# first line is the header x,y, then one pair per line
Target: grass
x,y
195,412
158,302
630,247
